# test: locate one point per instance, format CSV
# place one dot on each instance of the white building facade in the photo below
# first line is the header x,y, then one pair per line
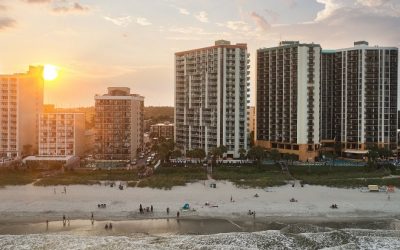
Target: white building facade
x,y
211,98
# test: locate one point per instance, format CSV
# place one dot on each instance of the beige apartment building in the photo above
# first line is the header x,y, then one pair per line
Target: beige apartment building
x,y
21,97
61,134
288,82
118,124
165,130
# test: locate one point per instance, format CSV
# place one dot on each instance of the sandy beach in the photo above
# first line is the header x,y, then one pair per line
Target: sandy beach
x,y
37,204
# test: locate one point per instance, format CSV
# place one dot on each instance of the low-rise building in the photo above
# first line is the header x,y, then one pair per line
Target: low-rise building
x,y
165,130
61,134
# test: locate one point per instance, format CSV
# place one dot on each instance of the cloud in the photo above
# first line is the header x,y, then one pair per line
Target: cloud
x,y
3,7
202,16
6,22
274,16
260,21
290,3
61,6
345,24
240,26
119,21
142,21
191,30
38,1
193,33
363,7
73,7
372,3
183,11
330,7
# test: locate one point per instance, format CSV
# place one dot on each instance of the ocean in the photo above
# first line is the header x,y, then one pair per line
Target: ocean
x,y
289,236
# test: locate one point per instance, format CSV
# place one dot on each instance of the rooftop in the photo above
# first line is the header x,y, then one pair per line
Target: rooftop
x,y
217,44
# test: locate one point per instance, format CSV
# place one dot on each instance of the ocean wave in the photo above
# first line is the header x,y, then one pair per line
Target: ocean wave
x,y
272,239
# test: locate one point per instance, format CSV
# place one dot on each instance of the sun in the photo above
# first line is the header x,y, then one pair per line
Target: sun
x,y
50,72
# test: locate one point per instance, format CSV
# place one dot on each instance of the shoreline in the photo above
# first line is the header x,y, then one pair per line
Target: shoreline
x,y
32,218
196,225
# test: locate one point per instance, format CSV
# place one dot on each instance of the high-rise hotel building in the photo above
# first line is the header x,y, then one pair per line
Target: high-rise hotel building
x,y
21,97
288,89
211,96
118,124
359,97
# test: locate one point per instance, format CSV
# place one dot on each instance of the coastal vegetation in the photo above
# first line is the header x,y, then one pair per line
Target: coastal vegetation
x,y
251,176
15,176
344,176
168,177
87,177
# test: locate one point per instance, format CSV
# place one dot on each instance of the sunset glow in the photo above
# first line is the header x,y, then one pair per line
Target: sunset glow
x,y
50,72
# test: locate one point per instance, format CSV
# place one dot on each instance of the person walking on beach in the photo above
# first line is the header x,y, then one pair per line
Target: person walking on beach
x,y
65,190
54,190
140,208
254,214
47,224
151,208
177,214
167,210
231,198
63,218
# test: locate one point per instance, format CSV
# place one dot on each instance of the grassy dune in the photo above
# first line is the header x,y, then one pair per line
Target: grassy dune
x,y
168,177
88,177
252,176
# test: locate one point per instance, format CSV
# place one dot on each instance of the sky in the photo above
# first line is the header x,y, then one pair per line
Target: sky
x,y
131,43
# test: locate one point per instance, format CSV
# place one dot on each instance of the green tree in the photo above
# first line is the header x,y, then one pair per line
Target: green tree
x,y
176,154
196,153
242,153
275,155
164,149
385,153
219,151
257,154
373,154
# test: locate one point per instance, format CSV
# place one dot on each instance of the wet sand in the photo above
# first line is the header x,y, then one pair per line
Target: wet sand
x,y
202,226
